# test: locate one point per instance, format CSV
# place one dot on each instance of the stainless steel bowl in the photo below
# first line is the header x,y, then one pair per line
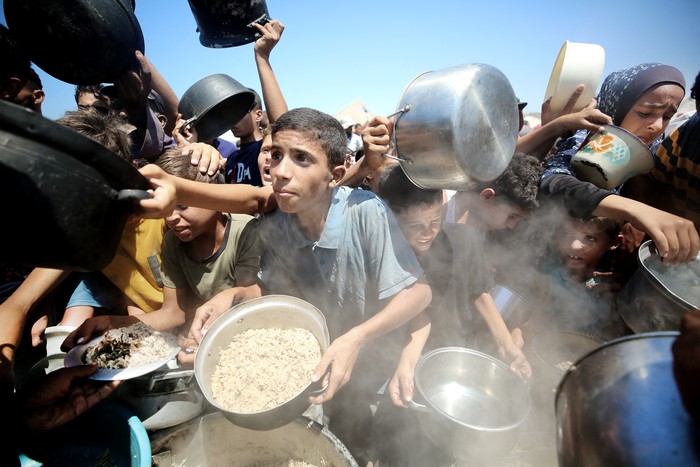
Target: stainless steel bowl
x,y
619,405
650,301
477,404
271,311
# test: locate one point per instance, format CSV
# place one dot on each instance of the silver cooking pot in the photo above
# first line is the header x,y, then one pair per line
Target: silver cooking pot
x,y
474,404
210,440
652,300
461,127
271,311
619,405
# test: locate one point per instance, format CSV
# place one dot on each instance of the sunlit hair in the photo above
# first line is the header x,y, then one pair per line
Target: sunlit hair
x,y
108,130
173,162
611,227
400,193
319,127
519,183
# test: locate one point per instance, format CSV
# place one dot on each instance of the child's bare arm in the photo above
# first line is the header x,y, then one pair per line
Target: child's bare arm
x,y
487,308
342,353
170,315
676,238
401,385
170,191
275,104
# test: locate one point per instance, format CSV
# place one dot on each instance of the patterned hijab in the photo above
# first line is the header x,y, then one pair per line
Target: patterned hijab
x,y
622,88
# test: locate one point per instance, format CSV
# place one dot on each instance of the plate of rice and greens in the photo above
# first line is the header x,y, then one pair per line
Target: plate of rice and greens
x,y
125,353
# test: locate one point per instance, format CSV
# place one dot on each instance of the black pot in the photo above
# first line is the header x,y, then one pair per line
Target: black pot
x,y
225,23
66,198
79,42
214,104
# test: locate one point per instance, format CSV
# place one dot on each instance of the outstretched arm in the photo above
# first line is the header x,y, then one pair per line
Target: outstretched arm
x,y
401,384
341,355
168,191
275,105
676,238
539,142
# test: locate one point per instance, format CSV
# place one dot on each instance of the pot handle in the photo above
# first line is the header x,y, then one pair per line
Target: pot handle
x,y
316,392
187,123
132,195
418,407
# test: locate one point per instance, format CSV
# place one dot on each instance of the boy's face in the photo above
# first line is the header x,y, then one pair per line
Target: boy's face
x,y
248,124
503,215
188,222
420,225
582,245
264,160
301,178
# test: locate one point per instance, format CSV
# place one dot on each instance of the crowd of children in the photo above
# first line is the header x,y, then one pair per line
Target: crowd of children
x,y
396,269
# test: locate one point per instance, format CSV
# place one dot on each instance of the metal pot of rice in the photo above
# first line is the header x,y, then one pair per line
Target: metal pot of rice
x,y
256,360
212,441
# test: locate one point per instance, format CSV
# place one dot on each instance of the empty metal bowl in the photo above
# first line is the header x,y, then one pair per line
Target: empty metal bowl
x,y
476,403
619,405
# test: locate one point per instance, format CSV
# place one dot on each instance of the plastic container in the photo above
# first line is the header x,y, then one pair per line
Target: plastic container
x,y
577,63
107,434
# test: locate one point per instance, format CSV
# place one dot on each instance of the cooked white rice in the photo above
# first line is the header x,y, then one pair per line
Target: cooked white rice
x,y
131,346
264,368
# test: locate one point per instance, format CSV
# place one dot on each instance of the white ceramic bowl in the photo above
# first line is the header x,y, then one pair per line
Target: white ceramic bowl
x,y
610,158
577,63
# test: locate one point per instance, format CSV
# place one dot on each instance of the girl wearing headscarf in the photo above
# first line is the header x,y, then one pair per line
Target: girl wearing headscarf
x,y
623,96
641,99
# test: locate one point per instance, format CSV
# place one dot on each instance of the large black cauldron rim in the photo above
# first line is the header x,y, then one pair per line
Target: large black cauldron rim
x,y
65,198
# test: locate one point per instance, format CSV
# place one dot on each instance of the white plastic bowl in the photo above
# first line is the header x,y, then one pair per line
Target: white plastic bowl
x,y
55,335
577,63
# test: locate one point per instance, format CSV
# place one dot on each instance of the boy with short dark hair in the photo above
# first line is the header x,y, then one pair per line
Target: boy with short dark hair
x,y
341,250
582,285
205,255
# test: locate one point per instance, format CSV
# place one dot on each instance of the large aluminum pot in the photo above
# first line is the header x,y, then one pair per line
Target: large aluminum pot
x,y
271,311
656,297
475,403
210,441
619,405
214,104
81,41
461,127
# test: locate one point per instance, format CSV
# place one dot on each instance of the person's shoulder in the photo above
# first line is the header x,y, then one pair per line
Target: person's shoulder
x,y
356,199
462,234
241,218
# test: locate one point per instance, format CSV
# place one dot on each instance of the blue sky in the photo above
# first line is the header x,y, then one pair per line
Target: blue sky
x,y
332,53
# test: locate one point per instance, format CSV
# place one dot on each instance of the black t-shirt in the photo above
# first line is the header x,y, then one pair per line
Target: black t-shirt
x,y
242,165
458,274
